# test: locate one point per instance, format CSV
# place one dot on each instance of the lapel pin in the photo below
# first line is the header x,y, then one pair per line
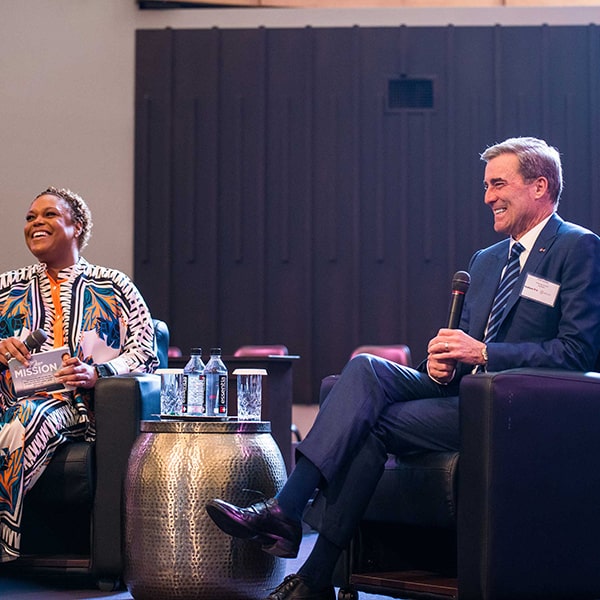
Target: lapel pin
x,y
542,249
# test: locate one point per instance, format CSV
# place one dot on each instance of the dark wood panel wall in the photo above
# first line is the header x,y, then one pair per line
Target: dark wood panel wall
x,y
285,195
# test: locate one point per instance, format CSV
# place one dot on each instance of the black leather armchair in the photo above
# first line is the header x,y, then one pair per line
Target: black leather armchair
x,y
518,520
72,516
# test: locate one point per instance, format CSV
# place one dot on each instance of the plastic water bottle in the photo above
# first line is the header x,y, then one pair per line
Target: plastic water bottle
x,y
215,374
194,399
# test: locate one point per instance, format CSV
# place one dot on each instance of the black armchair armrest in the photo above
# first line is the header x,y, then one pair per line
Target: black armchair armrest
x,y
529,490
120,404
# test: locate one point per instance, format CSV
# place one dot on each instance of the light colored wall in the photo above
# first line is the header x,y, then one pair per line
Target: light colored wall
x,y
67,97
66,117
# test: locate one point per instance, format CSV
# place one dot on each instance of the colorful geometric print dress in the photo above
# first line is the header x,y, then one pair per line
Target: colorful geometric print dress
x,y
100,315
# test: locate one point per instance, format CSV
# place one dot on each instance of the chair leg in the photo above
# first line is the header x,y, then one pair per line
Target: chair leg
x,y
346,592
109,585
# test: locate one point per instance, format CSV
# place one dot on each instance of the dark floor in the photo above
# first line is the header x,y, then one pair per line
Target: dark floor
x,y
21,589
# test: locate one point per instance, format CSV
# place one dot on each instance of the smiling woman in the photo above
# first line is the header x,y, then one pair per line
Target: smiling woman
x,y
57,227
96,312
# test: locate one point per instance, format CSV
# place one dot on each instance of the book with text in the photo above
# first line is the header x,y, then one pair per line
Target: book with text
x,y
39,375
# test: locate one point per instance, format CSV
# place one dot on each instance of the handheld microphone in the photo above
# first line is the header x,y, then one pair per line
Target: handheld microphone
x,y
35,339
460,285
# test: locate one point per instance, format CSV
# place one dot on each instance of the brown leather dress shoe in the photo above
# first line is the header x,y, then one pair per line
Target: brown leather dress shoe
x,y
294,588
263,522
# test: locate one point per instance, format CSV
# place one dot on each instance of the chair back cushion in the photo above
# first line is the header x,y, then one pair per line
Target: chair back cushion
x,y
264,350
161,332
398,353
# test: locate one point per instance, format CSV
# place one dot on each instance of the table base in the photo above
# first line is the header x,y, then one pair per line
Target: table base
x,y
172,548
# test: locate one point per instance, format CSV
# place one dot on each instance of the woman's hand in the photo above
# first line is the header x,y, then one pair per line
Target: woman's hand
x,y
13,347
76,373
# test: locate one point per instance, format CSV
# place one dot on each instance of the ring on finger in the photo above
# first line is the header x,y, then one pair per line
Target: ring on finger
x,y
7,356
447,346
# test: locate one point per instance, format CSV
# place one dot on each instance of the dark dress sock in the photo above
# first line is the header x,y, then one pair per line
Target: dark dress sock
x,y
299,488
318,568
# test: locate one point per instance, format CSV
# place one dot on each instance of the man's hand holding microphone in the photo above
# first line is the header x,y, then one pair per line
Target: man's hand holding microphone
x,y
452,345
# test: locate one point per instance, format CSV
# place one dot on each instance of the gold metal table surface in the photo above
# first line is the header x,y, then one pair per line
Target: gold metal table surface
x,y
172,548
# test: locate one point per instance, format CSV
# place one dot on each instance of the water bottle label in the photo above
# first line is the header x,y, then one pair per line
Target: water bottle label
x,y
222,405
185,395
194,397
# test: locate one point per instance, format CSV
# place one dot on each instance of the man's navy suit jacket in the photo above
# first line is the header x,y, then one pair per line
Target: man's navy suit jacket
x,y
533,334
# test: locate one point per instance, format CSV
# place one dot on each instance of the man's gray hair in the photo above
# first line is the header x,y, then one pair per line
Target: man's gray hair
x,y
536,159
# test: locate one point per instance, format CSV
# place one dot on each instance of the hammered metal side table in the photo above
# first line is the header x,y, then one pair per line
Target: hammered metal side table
x,y
172,548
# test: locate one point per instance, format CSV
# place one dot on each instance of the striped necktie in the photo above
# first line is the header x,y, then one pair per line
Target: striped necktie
x,y
511,274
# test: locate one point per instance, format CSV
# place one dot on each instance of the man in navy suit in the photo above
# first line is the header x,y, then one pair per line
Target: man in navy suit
x,y
550,317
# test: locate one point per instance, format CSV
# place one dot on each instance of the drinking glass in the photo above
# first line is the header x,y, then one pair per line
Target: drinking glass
x,y
249,393
171,391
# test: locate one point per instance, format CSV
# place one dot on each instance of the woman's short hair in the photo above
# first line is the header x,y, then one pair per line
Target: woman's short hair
x,y
536,159
80,212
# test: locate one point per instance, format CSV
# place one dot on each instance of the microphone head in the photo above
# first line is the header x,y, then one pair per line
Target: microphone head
x,y
461,282
35,339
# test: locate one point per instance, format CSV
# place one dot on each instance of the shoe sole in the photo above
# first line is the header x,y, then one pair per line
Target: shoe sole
x,y
226,524
282,548
271,544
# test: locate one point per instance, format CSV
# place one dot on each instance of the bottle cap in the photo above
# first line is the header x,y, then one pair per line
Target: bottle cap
x,y
196,351
215,350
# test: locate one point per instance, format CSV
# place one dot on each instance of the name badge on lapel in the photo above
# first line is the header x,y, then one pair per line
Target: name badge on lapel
x,y
540,290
